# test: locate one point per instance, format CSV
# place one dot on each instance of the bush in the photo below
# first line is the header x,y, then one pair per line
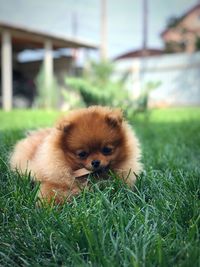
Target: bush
x,y
100,86
71,99
197,44
97,86
141,104
47,97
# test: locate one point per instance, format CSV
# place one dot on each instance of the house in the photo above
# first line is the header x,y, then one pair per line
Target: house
x,y
17,38
171,80
183,34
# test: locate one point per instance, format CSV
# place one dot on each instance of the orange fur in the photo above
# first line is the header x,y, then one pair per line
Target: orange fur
x,y
53,155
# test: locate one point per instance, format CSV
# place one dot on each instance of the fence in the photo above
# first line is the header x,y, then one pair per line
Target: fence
x,y
177,77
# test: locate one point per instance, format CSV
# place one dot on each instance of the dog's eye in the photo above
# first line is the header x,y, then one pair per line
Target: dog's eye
x,y
82,154
106,150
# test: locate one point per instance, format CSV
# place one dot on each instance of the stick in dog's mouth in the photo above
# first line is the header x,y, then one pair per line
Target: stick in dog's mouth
x,y
81,172
84,172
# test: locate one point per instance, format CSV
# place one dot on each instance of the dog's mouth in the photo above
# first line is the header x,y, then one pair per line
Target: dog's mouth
x,y
101,170
84,172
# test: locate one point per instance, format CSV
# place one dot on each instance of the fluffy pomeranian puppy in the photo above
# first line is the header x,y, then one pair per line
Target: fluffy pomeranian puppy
x,y
95,139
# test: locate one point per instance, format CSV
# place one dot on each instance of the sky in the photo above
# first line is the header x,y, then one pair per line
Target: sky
x,y
124,19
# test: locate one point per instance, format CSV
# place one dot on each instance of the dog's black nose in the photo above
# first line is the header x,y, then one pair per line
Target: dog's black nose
x,y
95,163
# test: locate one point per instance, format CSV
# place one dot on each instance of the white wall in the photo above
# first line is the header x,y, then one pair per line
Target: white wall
x,y
178,74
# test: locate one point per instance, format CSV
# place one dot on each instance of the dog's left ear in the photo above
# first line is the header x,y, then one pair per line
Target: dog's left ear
x,y
64,125
114,118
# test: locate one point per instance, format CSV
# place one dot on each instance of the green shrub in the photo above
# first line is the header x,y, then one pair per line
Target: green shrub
x,y
141,103
100,86
71,99
97,86
47,97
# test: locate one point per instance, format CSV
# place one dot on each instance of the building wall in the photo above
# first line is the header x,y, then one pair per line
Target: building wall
x,y
177,77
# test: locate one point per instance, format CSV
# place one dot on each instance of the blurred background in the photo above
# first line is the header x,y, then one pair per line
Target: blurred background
x,y
65,54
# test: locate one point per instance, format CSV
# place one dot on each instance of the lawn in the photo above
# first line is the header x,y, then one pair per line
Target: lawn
x,y
157,224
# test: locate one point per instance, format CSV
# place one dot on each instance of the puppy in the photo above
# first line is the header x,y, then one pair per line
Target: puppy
x,y
94,139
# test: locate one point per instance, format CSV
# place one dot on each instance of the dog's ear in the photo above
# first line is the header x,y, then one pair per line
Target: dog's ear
x,y
64,125
114,118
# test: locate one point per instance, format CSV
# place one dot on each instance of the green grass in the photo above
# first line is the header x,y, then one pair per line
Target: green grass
x,y
157,224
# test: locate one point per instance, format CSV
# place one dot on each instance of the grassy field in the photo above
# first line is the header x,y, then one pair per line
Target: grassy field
x,y
157,224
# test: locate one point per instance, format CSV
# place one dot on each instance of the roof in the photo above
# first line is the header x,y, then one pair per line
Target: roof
x,y
24,37
191,10
139,53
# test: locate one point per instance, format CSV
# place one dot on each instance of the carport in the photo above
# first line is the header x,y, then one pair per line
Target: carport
x,y
15,39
